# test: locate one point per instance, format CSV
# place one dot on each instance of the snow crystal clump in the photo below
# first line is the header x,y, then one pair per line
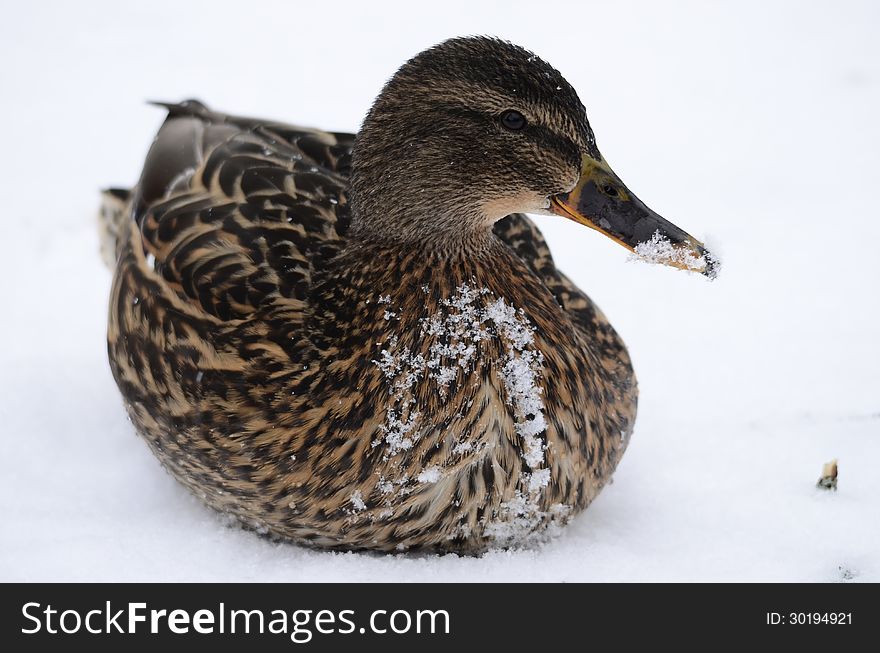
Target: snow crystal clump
x,y
385,486
519,521
399,433
430,475
462,447
357,501
539,479
661,251
519,374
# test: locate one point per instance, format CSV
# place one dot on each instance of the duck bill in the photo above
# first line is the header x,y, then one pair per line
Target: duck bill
x,y
602,202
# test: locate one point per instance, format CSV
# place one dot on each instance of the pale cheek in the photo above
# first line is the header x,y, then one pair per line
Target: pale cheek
x,y
496,209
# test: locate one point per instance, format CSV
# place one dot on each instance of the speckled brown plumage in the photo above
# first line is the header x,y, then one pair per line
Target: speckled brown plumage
x,y
249,320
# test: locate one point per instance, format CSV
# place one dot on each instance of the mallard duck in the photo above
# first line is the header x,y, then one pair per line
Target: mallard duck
x,y
360,342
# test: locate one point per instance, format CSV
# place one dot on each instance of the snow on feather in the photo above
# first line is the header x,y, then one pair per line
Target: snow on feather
x,y
466,319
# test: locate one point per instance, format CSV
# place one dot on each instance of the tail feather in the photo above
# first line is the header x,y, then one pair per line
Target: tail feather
x,y
114,210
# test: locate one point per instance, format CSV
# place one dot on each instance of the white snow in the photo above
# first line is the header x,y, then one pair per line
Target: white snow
x,y
519,376
430,474
660,251
748,385
357,501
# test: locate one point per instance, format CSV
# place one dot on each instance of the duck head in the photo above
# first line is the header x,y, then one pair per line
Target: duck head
x,y
474,129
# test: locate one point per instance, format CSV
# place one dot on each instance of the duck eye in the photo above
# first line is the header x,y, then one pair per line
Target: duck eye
x,y
609,190
513,120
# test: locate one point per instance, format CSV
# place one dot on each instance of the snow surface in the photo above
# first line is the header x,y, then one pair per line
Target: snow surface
x,y
753,122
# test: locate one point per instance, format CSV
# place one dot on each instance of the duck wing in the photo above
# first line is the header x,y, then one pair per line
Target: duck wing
x,y
236,210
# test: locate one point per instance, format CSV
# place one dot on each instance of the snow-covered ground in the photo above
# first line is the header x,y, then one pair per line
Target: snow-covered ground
x,y
751,123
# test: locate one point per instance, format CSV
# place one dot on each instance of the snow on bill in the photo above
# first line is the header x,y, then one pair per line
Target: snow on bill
x,y
661,251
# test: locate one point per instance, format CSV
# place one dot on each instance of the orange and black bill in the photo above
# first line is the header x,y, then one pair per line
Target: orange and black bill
x,y
602,202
